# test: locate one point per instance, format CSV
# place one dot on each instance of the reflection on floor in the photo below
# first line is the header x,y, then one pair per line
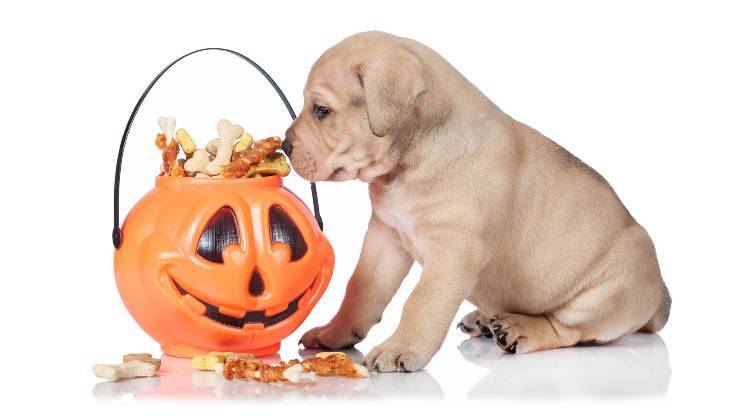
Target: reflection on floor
x,y
635,366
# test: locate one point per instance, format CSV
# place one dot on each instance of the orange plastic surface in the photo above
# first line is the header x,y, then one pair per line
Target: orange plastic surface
x,y
157,261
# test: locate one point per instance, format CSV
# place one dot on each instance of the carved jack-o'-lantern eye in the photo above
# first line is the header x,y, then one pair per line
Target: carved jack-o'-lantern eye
x,y
220,232
284,230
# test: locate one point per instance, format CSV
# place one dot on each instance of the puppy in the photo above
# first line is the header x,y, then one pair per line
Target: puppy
x,y
494,212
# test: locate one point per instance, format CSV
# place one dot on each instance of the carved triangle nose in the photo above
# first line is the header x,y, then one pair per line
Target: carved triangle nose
x,y
256,285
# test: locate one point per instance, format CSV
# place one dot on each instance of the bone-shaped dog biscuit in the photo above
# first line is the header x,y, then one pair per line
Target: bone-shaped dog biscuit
x,y
274,164
130,369
198,163
227,134
212,146
144,357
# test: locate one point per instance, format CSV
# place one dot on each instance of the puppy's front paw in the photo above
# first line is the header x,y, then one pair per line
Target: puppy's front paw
x,y
392,356
475,324
328,337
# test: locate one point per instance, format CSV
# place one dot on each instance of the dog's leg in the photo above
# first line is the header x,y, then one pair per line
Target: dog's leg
x,y
625,294
380,270
451,270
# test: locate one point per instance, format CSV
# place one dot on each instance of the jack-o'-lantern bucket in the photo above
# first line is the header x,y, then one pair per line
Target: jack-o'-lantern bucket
x,y
207,264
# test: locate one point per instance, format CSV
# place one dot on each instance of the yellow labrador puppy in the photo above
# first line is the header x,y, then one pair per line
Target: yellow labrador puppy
x,y
494,212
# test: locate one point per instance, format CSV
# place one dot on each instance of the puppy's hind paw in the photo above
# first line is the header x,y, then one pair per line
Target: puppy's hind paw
x,y
510,332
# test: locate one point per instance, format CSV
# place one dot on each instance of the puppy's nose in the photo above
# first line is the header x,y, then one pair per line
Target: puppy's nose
x,y
287,147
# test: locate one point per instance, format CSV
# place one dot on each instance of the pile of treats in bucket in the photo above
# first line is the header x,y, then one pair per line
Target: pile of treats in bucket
x,y
240,366
234,154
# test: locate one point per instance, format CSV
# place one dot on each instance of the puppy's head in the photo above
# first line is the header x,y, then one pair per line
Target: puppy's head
x,y
359,111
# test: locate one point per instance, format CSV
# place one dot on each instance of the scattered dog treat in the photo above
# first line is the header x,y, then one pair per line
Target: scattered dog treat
x,y
131,369
323,364
209,361
134,365
205,362
239,356
239,366
144,357
324,354
252,369
221,355
334,364
234,154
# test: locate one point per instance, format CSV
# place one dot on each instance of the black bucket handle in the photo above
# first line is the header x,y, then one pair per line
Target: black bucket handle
x,y
117,240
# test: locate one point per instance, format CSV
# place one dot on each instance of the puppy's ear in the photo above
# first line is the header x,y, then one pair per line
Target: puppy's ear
x,y
392,88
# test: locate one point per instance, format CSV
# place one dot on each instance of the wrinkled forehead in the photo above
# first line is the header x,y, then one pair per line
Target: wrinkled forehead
x,y
332,78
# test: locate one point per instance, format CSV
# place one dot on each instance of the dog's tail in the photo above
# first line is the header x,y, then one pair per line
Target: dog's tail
x,y
660,317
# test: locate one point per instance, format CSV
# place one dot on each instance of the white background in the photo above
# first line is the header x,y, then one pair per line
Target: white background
x,y
644,92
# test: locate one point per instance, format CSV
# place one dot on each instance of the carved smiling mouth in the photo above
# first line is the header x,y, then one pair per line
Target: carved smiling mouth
x,y
251,317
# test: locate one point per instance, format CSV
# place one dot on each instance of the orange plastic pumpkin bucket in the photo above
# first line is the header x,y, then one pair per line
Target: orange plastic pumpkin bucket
x,y
219,264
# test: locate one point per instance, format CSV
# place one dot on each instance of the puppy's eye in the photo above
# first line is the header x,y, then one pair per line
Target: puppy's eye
x,y
321,111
